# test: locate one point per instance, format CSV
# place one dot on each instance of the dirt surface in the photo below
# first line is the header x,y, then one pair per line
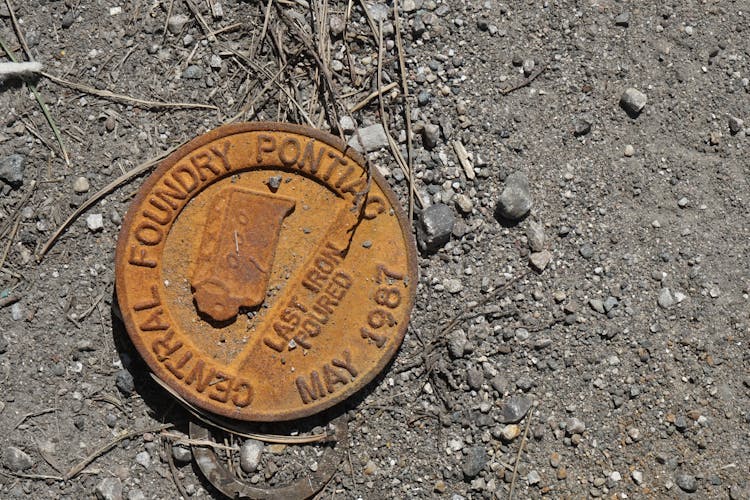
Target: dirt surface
x,y
616,365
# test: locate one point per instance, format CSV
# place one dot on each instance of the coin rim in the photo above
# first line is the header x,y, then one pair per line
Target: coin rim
x,y
180,154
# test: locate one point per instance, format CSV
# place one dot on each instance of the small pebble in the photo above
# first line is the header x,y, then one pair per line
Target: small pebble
x,y
633,101
124,382
533,478
510,432
514,409
665,299
637,477
540,260
144,459
687,482
435,227
81,185
109,488
575,426
16,459
629,150
735,125
12,170
95,222
476,459
623,20
193,72
373,138
250,453
515,200
176,23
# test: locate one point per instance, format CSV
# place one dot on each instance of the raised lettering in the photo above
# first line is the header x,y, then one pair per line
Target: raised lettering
x,y
374,206
332,377
202,161
141,260
243,393
266,144
221,387
289,151
222,154
148,234
169,197
309,159
346,364
309,394
163,347
154,322
166,214
196,376
154,301
185,177
177,369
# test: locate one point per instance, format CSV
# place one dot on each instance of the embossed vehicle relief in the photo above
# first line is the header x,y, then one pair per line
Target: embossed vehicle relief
x,y
264,273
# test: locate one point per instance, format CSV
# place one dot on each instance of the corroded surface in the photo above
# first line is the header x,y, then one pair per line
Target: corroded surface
x,y
263,274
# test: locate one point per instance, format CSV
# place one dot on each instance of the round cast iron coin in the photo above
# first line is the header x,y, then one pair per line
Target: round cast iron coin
x,y
263,273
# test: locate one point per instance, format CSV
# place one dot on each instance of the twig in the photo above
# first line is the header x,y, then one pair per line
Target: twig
x,y
463,159
32,86
375,93
258,42
34,414
525,82
407,107
19,33
520,450
85,313
15,69
41,477
143,167
179,439
141,103
9,301
173,469
201,20
76,469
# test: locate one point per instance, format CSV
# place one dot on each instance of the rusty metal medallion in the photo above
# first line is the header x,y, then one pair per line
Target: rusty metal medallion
x,y
263,273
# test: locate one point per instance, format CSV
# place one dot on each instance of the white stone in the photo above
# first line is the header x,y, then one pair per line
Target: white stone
x,y
95,222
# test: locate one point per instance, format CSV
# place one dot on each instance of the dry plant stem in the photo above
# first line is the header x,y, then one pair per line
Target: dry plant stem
x,y
140,103
375,93
13,232
258,42
173,469
143,167
525,82
32,86
267,438
520,450
407,107
9,301
34,414
76,469
204,26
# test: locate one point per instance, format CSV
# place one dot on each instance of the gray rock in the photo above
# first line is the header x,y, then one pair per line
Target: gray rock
x,y
95,222
665,299
475,378
623,20
474,462
193,72
535,235
533,478
81,185
215,61
735,125
435,227
430,135
586,251
110,488
514,409
610,304
12,169
16,459
373,138
16,311
124,382
581,128
633,101
464,203
176,23
136,494
453,285
181,454
457,343
575,426
686,482
528,66
144,459
250,453
515,200
540,260
347,124
597,305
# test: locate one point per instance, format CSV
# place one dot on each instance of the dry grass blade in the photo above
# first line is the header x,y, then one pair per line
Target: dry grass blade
x,y
37,96
185,441
407,107
34,414
143,167
141,103
372,95
76,469
520,450
525,82
267,438
16,225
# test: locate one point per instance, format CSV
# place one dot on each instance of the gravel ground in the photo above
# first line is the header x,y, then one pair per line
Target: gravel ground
x,y
582,319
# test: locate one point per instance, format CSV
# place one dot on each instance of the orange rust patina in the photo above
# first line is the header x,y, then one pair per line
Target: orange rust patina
x,y
263,273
